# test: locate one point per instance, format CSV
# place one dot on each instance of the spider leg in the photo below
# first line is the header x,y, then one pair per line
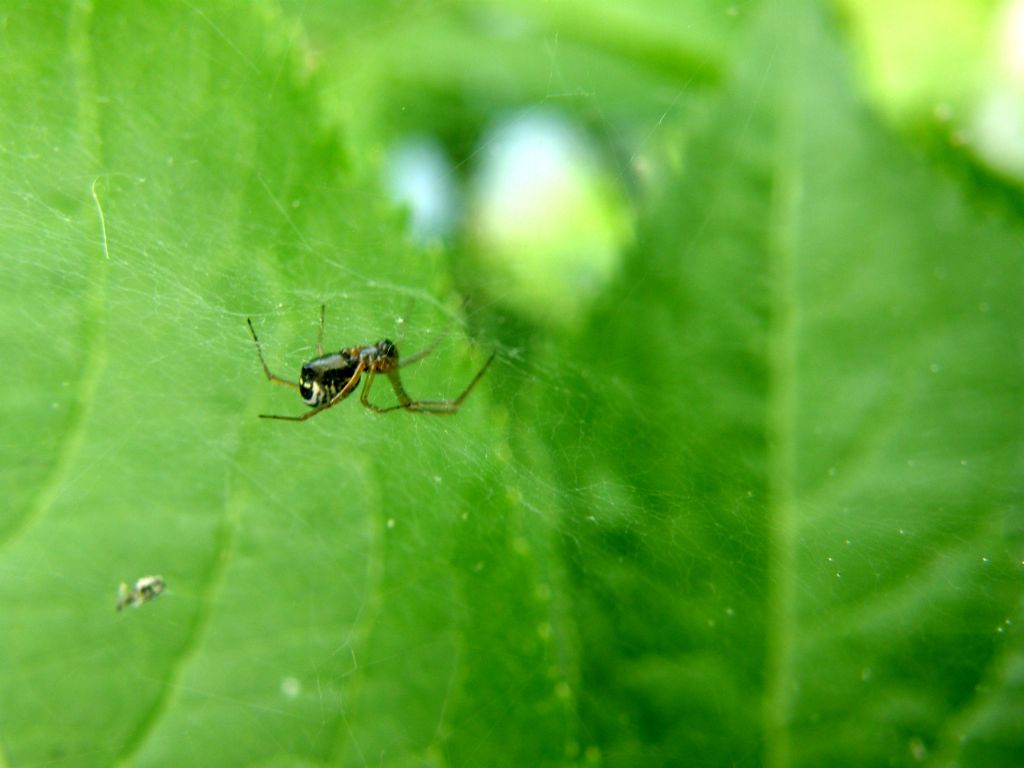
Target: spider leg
x,y
270,376
342,394
430,406
450,406
365,394
415,358
320,334
404,401
418,356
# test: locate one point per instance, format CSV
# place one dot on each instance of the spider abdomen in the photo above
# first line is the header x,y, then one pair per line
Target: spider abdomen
x,y
324,377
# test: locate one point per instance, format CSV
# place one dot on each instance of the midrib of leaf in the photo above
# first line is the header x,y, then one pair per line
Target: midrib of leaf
x,y
93,347
783,352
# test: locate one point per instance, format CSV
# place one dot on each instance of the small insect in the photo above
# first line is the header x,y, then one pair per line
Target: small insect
x,y
145,589
326,380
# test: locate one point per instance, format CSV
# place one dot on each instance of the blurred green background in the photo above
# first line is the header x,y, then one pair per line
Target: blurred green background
x,y
743,487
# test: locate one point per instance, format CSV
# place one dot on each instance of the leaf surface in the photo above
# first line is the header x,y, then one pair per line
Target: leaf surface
x,y
764,510
169,172
802,545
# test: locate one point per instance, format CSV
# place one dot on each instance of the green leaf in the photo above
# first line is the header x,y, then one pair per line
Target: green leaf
x,y
801,541
330,585
765,509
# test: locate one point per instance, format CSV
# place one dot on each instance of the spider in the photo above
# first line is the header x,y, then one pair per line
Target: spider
x,y
326,380
145,589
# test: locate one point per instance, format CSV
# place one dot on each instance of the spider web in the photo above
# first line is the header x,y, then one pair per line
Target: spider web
x,y
689,510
